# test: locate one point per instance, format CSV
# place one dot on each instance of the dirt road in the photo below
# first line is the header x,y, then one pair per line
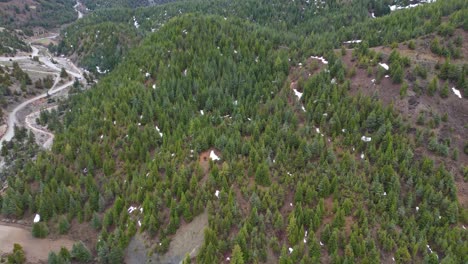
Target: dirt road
x,y
48,61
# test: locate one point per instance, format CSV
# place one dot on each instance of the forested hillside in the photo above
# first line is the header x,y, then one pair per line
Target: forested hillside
x,y
223,111
100,4
26,15
10,43
344,21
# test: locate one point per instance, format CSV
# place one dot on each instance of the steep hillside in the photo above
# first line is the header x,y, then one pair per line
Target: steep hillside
x,y
101,4
10,43
429,91
27,15
278,14
219,115
305,18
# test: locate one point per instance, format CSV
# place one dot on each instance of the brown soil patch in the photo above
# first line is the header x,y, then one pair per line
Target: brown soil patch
x,y
411,105
83,232
36,250
187,240
204,158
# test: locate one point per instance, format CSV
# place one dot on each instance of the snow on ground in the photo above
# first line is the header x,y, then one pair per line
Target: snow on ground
x,y
366,139
131,209
213,156
135,23
355,41
298,94
101,72
159,131
322,59
385,66
37,218
397,7
456,92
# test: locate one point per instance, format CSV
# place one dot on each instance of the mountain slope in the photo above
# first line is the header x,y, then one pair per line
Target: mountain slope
x,y
295,180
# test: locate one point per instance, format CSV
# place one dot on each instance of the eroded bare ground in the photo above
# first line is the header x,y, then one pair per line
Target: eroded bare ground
x,y
413,104
36,250
187,240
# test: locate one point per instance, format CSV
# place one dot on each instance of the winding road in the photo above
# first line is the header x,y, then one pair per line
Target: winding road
x,y
45,60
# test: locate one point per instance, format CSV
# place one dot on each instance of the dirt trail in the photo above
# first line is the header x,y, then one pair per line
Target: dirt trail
x,y
36,250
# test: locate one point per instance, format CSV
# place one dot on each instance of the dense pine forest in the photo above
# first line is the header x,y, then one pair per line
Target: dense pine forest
x,y
247,112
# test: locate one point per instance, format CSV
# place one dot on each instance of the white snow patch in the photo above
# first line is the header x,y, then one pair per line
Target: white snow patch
x,y
159,131
101,72
131,209
456,92
213,156
354,41
366,139
385,66
322,59
135,23
298,94
37,218
396,7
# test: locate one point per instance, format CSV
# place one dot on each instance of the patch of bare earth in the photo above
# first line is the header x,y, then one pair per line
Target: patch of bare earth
x,y
413,104
187,240
36,250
